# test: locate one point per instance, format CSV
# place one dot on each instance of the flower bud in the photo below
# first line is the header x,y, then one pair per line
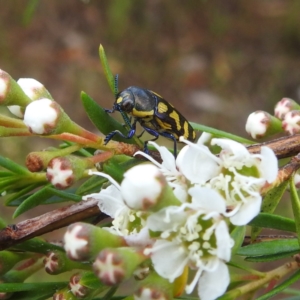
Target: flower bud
x,y
10,92
261,124
64,294
284,106
81,284
77,289
57,262
46,117
291,122
84,241
154,287
112,266
33,89
43,116
144,187
62,172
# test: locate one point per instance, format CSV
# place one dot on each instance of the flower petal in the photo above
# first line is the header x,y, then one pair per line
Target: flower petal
x,y
231,146
224,241
197,164
269,164
168,159
247,211
214,284
166,219
169,259
110,200
207,199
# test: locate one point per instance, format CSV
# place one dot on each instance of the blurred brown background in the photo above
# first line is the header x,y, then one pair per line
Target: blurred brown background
x,y
216,61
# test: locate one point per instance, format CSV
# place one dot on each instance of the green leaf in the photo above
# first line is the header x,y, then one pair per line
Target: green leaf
x,y
37,245
294,278
12,166
18,287
220,133
269,204
108,74
6,174
238,234
114,170
270,247
266,220
295,206
18,196
102,120
91,185
33,200
65,195
266,258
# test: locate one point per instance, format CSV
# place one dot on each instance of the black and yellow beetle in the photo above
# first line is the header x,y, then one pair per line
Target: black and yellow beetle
x,y
155,114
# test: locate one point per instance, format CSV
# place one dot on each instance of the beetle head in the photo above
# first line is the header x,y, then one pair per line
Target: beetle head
x,y
125,101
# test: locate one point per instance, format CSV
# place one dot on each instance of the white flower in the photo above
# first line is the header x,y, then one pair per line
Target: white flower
x,y
169,169
195,235
126,222
236,174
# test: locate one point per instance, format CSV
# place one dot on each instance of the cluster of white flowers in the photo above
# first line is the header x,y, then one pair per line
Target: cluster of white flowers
x,y
178,211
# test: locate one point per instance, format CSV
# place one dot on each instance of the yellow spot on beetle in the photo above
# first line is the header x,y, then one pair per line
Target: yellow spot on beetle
x,y
161,107
142,114
174,115
163,125
119,100
186,129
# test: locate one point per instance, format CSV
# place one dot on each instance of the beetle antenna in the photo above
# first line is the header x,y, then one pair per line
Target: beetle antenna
x,y
116,85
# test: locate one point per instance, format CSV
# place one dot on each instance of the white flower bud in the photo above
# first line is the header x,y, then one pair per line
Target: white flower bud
x,y
291,122
60,173
142,186
284,106
261,124
75,243
257,123
30,87
16,110
41,116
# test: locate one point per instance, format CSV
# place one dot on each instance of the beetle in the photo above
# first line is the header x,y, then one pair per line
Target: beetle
x,y
155,115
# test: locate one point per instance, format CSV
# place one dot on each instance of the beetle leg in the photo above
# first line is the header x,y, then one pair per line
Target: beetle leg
x,y
172,137
109,110
129,135
141,134
152,132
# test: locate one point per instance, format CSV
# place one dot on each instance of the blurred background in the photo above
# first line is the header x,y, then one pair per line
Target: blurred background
x,y
216,61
